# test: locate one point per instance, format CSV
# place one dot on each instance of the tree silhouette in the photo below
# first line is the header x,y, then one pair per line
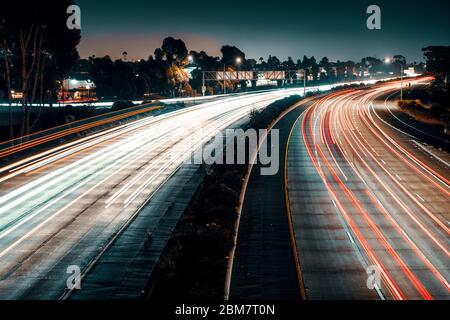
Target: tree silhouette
x,y
438,60
174,50
34,38
229,55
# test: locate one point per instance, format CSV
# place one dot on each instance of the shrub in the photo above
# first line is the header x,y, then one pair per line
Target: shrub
x,y
414,104
120,105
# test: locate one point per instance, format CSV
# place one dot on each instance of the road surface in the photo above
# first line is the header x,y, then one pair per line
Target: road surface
x,y
367,199
62,206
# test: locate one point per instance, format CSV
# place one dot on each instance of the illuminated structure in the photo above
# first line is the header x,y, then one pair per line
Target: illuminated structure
x,y
77,90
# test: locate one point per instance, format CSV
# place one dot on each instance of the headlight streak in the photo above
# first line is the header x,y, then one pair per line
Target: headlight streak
x,y
139,155
350,195
336,110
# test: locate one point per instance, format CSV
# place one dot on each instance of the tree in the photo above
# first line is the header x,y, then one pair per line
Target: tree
x,y
340,70
229,55
314,68
289,64
125,83
349,70
311,65
154,71
262,64
251,64
327,72
372,64
203,62
102,70
159,54
399,59
273,63
34,38
233,59
398,62
178,79
174,50
438,60
116,79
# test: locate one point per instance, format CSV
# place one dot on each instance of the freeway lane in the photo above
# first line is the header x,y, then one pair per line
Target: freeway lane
x,y
62,206
362,194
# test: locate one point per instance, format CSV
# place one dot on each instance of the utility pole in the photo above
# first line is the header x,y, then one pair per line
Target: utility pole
x,y
203,83
304,82
237,62
401,82
224,89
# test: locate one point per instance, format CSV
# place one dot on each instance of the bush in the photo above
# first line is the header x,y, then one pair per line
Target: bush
x,y
411,104
260,119
120,105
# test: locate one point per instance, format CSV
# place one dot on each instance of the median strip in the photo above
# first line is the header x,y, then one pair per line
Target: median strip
x,y
197,260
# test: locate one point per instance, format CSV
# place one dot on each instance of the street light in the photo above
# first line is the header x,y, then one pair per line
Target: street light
x,y
237,60
142,76
388,61
191,60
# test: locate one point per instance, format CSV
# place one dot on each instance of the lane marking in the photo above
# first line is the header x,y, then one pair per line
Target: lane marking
x,y
350,236
420,197
380,294
430,153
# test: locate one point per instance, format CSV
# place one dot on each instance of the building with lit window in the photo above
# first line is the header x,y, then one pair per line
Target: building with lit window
x,y
77,90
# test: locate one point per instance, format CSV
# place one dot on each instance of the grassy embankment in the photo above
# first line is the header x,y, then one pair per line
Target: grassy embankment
x,y
429,105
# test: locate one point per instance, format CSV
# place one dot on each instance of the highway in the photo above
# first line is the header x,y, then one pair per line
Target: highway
x,y
367,198
62,206
361,192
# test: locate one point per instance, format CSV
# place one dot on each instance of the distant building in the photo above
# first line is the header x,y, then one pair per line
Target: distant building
x,y
188,70
410,71
16,95
77,90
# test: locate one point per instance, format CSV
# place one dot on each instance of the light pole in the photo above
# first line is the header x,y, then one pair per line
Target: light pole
x,y
388,61
191,61
304,82
401,82
88,87
223,76
203,83
143,77
237,61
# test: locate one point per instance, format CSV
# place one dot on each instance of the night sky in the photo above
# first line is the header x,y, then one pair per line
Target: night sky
x,y
336,29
